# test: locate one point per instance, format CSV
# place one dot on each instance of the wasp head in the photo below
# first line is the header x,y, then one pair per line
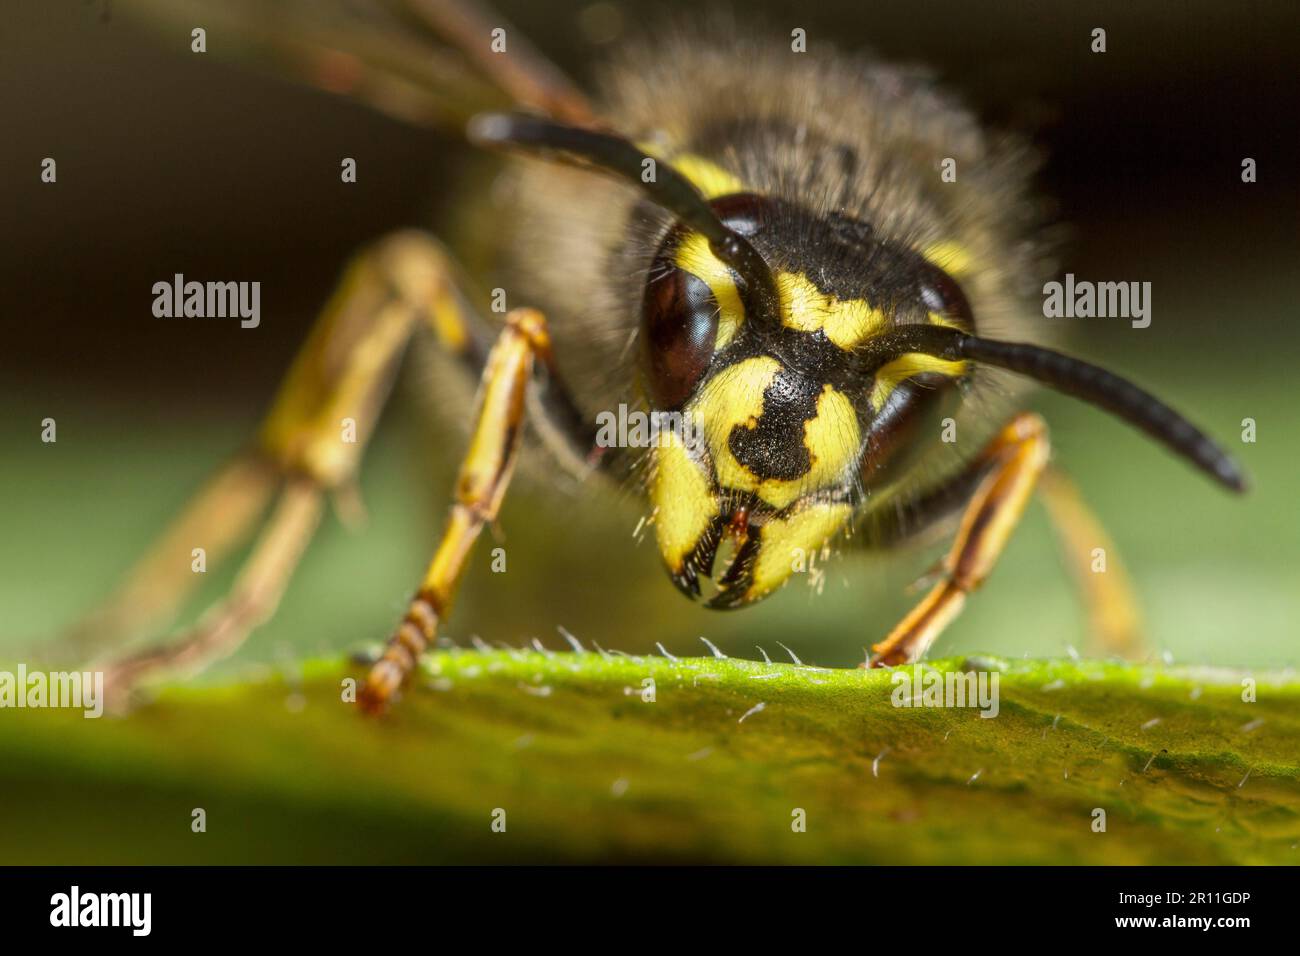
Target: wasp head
x,y
779,401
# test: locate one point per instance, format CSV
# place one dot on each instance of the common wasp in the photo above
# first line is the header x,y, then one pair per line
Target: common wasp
x,y
755,240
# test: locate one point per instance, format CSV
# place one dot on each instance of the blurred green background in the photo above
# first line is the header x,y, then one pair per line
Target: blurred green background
x,y
170,162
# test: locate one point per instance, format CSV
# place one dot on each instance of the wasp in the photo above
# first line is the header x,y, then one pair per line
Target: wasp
x,y
730,231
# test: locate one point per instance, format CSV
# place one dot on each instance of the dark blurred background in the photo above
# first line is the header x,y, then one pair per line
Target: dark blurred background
x,y
172,162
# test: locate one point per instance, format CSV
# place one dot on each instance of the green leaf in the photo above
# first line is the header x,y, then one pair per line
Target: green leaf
x,y
713,770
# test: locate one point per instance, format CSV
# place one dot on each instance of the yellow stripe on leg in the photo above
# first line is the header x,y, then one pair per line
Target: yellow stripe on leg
x,y
480,487
1017,456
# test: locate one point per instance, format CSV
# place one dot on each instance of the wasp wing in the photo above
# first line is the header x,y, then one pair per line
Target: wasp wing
x,y
432,63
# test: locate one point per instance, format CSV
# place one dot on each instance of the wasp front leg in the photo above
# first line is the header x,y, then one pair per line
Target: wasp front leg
x,y
480,486
1010,465
310,445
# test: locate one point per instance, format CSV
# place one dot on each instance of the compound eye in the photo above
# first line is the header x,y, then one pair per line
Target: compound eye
x,y
679,326
941,295
679,318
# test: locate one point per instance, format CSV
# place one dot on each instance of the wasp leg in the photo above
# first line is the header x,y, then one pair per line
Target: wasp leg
x,y
1012,463
480,486
251,601
1115,624
219,517
310,444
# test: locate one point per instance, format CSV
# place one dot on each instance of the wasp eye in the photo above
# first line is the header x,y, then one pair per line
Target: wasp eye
x,y
679,319
679,325
941,295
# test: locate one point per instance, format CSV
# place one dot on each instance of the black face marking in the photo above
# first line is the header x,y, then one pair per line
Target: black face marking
x,y
774,448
